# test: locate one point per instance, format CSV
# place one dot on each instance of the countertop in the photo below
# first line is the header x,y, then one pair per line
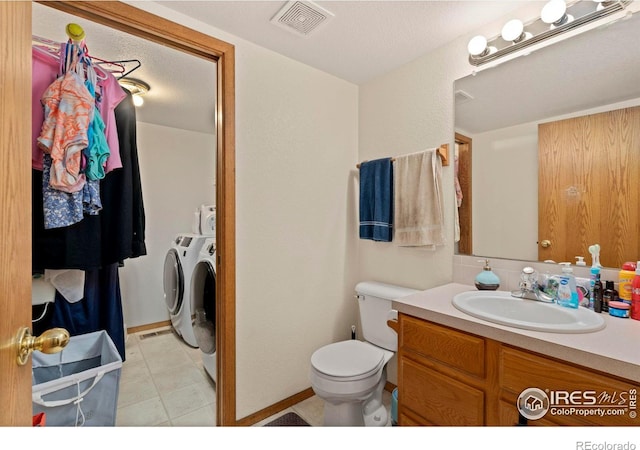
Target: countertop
x,y
613,350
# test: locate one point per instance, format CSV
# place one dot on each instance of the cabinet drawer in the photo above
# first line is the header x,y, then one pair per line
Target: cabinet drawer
x,y
461,351
520,370
438,398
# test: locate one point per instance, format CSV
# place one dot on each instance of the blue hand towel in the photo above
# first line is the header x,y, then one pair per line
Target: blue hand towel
x,y
376,200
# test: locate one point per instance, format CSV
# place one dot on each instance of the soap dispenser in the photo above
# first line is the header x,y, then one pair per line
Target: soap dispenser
x,y
487,280
567,292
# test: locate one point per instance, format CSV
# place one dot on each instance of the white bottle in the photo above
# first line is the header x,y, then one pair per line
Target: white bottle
x,y
567,291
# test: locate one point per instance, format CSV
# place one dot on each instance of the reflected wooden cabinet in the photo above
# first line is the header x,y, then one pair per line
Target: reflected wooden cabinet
x,y
452,378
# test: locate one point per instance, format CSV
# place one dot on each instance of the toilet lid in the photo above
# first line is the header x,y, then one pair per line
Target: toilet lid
x,y
347,359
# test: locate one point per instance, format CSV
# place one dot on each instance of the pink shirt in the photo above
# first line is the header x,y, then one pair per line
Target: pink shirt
x,y
111,95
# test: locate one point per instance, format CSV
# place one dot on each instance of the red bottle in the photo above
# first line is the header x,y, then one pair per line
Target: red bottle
x,y
635,294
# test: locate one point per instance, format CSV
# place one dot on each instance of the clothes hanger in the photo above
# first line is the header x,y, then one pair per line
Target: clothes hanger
x,y
125,62
76,37
46,46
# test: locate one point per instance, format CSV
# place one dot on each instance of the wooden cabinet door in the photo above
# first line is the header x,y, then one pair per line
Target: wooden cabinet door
x,y
520,370
437,398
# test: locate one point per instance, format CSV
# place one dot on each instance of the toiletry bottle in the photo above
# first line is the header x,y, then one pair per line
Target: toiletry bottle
x,y
567,292
609,295
598,294
580,261
625,278
487,280
595,273
635,294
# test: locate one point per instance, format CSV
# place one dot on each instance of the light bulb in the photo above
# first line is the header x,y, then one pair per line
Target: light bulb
x,y
513,31
555,13
478,46
138,100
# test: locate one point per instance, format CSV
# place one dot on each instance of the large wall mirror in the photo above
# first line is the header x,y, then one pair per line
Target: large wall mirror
x,y
564,119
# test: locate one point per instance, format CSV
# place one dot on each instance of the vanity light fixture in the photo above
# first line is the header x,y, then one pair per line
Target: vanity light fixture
x,y
138,88
557,17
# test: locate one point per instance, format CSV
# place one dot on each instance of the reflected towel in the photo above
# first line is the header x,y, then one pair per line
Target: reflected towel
x,y
419,217
376,200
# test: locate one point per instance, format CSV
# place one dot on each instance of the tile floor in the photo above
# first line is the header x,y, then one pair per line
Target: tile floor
x,y
163,383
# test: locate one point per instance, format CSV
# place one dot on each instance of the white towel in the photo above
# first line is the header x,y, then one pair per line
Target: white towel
x,y
418,214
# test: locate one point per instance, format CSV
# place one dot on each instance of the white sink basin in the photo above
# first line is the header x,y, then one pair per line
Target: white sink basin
x,y
500,307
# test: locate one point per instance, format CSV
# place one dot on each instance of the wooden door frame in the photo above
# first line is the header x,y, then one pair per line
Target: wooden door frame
x,y
134,21
465,246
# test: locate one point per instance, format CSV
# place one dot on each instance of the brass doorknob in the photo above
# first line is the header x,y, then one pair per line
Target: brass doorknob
x,y
51,341
545,243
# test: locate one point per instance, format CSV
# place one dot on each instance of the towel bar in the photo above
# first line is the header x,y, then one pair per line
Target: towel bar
x,y
443,152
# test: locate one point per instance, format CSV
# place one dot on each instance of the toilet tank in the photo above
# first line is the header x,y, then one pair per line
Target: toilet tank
x,y
374,302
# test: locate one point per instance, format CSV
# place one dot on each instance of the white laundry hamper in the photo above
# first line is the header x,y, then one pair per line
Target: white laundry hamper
x,y
78,386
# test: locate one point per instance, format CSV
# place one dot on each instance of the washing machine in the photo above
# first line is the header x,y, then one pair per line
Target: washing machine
x,y
203,299
179,262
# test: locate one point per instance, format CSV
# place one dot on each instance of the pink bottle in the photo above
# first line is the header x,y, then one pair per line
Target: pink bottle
x,y
635,294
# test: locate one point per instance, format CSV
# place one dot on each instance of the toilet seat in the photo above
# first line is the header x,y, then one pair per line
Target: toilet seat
x,y
348,360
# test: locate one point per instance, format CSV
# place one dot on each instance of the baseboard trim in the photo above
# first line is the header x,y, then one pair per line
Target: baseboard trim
x,y
149,326
275,408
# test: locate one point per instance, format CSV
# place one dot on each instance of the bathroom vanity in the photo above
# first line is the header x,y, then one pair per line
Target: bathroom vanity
x,y
454,369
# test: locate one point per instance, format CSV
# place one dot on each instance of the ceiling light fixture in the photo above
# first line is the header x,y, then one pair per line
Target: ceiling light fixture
x,y
557,17
138,88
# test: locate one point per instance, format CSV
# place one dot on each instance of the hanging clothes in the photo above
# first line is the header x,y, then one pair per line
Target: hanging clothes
x,y
97,150
123,215
110,96
46,68
117,233
87,206
68,111
82,240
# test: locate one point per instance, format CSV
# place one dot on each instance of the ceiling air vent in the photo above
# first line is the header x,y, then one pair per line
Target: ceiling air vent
x,y
302,17
462,97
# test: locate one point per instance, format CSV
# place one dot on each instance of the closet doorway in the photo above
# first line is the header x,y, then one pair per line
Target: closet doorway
x,y
144,25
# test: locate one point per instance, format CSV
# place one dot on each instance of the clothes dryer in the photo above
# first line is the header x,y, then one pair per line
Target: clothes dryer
x,y
179,262
203,299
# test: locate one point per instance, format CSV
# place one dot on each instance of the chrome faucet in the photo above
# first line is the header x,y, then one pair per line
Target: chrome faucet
x,y
530,289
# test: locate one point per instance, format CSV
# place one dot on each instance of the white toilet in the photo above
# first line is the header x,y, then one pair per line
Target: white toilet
x,y
350,375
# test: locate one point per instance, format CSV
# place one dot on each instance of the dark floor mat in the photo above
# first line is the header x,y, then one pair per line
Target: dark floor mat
x,y
290,419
